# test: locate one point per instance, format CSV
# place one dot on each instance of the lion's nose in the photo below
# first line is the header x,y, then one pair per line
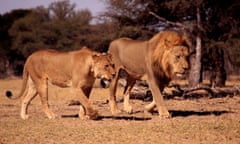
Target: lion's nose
x,y
186,67
113,75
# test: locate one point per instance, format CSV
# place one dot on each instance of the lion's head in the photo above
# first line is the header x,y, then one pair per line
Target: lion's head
x,y
170,53
103,69
175,61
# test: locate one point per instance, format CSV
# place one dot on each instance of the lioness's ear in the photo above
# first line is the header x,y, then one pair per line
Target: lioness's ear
x,y
108,55
95,55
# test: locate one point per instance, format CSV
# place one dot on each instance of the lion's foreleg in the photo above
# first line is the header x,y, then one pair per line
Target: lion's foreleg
x,y
157,99
112,96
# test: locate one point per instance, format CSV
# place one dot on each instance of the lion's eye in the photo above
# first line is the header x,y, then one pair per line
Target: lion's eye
x,y
178,57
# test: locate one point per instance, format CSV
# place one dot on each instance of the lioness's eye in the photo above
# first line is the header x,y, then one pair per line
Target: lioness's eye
x,y
178,57
106,66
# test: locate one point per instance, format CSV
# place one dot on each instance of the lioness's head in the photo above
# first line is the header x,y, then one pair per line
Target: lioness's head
x,y
103,69
175,61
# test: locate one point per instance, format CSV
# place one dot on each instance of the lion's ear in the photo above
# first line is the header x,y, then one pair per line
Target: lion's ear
x,y
186,41
169,43
172,40
180,40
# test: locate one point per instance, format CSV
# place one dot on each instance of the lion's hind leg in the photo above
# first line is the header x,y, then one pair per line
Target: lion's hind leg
x,y
29,93
126,104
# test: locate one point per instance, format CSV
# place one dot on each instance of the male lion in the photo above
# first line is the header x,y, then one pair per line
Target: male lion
x,y
158,60
75,69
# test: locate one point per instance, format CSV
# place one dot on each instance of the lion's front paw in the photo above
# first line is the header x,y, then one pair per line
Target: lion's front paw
x,y
164,114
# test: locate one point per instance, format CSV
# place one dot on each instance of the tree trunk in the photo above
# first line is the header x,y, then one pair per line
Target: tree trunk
x,y
195,72
9,69
218,74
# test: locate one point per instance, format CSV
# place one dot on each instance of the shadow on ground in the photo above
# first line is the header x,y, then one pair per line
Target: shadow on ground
x,y
174,113
131,118
178,113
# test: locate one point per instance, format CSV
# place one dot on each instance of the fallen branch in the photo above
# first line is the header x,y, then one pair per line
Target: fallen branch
x,y
175,92
141,91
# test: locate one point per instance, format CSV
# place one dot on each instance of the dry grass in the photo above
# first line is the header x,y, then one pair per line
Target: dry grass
x,y
202,120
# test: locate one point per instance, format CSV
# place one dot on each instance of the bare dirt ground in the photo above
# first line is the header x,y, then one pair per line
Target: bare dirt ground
x,y
198,121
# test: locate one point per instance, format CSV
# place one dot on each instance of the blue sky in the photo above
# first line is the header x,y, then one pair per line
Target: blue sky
x,y
95,6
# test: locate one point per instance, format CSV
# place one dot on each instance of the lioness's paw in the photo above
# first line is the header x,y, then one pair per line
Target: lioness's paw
x,y
84,117
24,117
116,111
128,109
51,115
93,115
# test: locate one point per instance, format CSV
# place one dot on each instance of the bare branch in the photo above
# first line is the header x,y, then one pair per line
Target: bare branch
x,y
177,24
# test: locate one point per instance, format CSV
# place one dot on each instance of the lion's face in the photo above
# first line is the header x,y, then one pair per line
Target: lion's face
x,y
104,69
176,61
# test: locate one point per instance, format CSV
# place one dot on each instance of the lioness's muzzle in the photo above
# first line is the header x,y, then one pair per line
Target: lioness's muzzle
x,y
105,82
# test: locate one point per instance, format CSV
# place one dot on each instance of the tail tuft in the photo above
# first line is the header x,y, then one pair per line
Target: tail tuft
x,y
9,94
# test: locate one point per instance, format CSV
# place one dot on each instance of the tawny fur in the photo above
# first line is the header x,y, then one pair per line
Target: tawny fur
x,y
75,69
157,60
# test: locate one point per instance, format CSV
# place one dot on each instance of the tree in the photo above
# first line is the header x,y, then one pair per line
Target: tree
x,y
58,27
129,18
6,54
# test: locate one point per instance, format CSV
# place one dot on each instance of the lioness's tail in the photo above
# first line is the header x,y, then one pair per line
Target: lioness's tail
x,y
24,86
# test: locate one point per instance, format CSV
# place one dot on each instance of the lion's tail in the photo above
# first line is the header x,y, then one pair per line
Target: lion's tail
x,y
24,86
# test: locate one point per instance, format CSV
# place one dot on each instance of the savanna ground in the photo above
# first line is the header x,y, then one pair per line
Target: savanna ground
x,y
203,120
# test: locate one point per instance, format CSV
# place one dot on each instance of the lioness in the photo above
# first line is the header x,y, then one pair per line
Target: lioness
x,y
157,60
75,69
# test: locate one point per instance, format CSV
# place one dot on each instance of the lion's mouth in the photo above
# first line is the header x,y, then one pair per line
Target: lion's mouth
x,y
180,74
105,82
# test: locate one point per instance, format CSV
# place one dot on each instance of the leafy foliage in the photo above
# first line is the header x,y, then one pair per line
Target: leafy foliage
x,y
57,27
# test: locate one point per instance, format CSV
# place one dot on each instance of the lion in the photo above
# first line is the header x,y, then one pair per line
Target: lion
x,y
157,61
75,69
